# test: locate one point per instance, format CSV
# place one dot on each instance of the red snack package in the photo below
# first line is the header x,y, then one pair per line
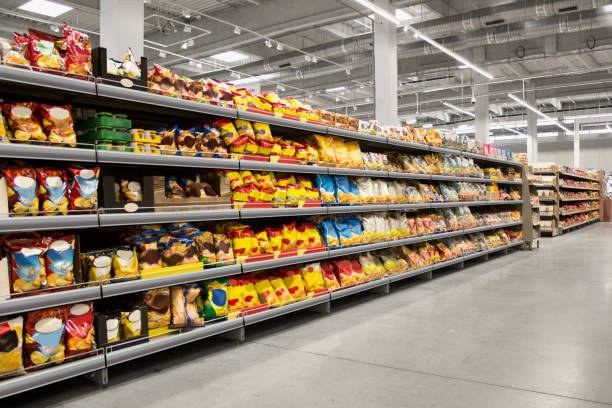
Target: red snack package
x,y
77,49
358,274
53,191
331,282
27,264
43,53
275,238
21,190
59,261
344,272
289,235
84,191
44,337
79,329
58,124
23,122
23,42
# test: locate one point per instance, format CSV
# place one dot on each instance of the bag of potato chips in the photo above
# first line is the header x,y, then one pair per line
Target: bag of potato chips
x,y
53,191
79,329
312,276
84,191
59,259
44,337
11,344
21,190
27,264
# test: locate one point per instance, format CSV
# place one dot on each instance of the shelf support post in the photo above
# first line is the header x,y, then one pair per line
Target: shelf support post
x,y
385,67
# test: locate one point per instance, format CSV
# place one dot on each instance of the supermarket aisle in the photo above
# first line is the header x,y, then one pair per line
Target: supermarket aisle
x,y
526,330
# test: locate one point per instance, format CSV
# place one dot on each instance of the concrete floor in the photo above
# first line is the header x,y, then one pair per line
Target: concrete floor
x,y
531,329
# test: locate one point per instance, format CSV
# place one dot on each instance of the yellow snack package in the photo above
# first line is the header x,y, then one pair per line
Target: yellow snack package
x,y
229,134
262,241
293,280
280,196
235,295
284,179
340,150
289,236
354,153
11,333
324,147
265,180
262,131
248,178
244,128
251,146
280,289
131,324
264,289
312,276
251,298
125,263
235,179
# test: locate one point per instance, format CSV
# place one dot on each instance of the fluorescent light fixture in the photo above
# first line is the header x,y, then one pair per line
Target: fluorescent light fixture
x,y
462,66
445,50
535,110
513,130
380,11
411,121
401,15
570,119
427,126
199,65
187,28
237,30
548,134
268,43
184,46
45,7
458,109
315,59
190,43
230,56
338,89
162,54
279,47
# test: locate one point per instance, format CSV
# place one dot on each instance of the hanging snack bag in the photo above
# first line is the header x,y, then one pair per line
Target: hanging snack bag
x,y
79,329
331,282
326,186
235,295
280,289
264,289
184,309
21,190
157,302
215,304
228,131
312,276
11,345
58,124
27,264
43,52
262,132
84,191
59,260
44,337
293,280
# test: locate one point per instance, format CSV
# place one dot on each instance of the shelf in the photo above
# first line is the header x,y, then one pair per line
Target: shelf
x,y
580,223
409,274
578,188
52,375
255,165
46,300
248,213
343,292
169,341
351,134
549,215
288,123
48,222
22,77
580,199
112,220
280,262
411,176
564,173
38,152
547,199
343,209
357,249
156,100
546,185
139,285
581,210
357,172
282,310
143,159
444,264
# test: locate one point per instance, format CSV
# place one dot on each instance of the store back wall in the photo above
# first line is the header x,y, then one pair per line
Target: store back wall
x,y
595,154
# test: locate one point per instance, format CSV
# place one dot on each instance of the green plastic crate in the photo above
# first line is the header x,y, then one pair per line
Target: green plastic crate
x,y
105,120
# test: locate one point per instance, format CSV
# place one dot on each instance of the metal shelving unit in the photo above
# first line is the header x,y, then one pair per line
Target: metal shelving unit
x,y
98,94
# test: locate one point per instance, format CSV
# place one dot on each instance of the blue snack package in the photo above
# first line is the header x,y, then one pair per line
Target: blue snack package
x,y
356,229
326,188
344,232
328,231
354,192
342,189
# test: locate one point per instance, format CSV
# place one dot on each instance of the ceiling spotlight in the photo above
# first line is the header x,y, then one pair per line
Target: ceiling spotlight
x,y
281,88
308,58
354,108
268,43
237,30
361,86
162,54
315,59
405,29
367,99
184,46
279,47
192,63
187,28
348,71
54,28
190,43
186,14
337,99
199,65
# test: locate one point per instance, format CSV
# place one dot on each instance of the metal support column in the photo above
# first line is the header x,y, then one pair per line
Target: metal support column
x,y
385,67
532,128
122,27
577,124
481,109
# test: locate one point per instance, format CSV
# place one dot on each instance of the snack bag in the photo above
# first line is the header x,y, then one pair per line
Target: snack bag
x,y
235,295
79,329
265,290
358,275
224,252
228,131
216,303
42,51
184,309
167,143
58,124
124,263
44,337
131,324
59,259
344,232
11,340
77,49
344,272
324,146
331,282
342,190
27,264
367,265
330,234
289,236
280,196
84,191
341,151
293,280
262,241
314,238
21,190
312,276
357,234
280,289
157,302
354,153
244,128
187,142
275,238
326,188
250,294
206,245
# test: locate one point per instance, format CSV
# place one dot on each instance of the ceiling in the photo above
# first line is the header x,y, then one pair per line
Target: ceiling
x,y
321,51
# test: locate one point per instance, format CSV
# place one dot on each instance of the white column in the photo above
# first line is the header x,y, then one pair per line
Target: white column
x,y
532,128
481,109
385,67
122,27
577,124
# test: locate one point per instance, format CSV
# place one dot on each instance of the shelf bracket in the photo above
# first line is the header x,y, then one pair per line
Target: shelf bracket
x,y
322,308
237,336
100,377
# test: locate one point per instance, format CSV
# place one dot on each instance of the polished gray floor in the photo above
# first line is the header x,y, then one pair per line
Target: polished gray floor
x,y
531,329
